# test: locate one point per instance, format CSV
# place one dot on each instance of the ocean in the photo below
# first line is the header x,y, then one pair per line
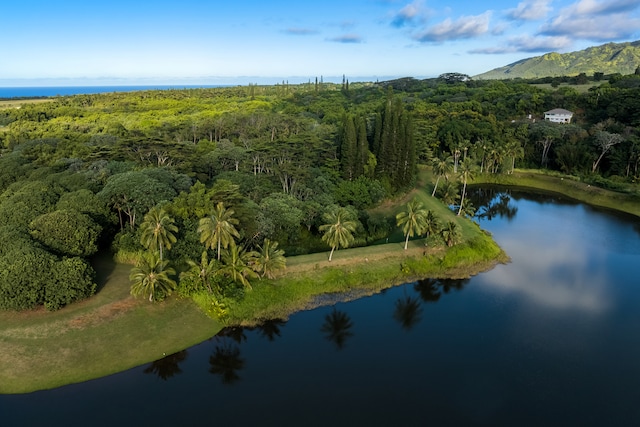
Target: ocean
x,y
46,91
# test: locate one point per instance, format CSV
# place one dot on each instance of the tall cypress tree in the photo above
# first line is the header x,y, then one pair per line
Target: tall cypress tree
x,y
348,147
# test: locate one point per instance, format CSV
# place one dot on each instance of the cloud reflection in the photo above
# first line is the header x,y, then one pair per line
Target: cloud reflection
x,y
561,276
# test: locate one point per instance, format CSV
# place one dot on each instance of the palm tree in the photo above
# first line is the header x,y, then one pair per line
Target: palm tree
x,y
338,228
269,259
466,173
450,233
449,193
199,275
157,230
514,150
217,230
442,167
236,265
431,224
151,277
412,220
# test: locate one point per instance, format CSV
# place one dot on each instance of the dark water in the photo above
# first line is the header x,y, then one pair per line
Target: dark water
x,y
47,91
551,339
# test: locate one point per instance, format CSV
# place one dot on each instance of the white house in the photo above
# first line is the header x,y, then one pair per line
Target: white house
x,y
558,115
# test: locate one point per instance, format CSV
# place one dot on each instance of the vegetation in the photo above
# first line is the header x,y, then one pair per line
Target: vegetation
x,y
203,192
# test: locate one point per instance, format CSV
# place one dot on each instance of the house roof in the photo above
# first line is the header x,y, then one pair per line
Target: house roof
x,y
559,111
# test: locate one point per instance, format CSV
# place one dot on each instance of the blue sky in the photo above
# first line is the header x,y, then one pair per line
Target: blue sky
x,y
265,41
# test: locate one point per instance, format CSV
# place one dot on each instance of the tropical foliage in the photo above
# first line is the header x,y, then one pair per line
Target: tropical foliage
x,y
271,169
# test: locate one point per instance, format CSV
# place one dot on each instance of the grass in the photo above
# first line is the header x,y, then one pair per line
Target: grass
x,y
111,331
17,103
105,334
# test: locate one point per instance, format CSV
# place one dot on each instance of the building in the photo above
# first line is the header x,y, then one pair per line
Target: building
x,y
558,115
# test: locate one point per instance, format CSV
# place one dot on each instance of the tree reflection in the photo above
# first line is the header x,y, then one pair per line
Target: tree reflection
x,y
226,362
168,366
270,329
428,289
336,328
456,284
499,206
235,333
408,312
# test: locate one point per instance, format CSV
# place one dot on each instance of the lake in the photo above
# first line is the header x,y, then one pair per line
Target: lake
x,y
552,338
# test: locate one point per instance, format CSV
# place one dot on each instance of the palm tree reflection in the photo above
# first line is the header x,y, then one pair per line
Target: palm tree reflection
x,y
428,289
408,312
226,362
168,366
270,329
336,328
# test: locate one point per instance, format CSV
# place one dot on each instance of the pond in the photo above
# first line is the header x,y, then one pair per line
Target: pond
x,y
552,338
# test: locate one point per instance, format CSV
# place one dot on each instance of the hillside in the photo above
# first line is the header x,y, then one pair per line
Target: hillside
x,y
609,58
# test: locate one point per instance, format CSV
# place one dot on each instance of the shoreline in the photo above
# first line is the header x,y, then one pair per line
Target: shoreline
x,y
26,347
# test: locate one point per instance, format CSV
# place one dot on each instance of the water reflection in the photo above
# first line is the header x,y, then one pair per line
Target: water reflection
x,y
337,328
270,329
556,268
408,312
168,366
226,361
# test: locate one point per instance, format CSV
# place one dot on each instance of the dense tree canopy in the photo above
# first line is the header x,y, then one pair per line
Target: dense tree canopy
x,y
80,173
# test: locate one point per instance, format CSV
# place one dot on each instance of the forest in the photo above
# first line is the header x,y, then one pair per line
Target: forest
x,y
207,190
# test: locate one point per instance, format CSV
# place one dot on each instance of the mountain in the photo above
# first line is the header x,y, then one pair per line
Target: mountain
x,y
609,58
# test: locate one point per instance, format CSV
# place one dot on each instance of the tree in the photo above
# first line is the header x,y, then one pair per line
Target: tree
x,y
67,232
269,259
199,276
218,229
431,224
134,192
338,228
450,233
442,167
605,141
466,173
412,220
236,265
157,230
152,277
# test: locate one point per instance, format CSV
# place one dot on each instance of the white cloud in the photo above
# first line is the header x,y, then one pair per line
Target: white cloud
x,y
527,44
410,14
593,20
530,10
465,27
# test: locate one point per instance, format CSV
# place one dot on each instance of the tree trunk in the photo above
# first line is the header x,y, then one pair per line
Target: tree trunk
x,y
406,242
436,186
331,253
464,190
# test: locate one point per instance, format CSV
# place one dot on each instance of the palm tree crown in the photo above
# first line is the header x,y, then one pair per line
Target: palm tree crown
x,y
151,277
412,220
157,230
269,259
217,231
338,228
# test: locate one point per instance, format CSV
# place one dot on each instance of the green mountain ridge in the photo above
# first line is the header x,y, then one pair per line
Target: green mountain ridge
x,y
609,58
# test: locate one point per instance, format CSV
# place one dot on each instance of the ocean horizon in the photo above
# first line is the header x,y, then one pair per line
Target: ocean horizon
x,y
51,91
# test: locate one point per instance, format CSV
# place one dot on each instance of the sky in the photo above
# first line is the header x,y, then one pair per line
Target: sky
x,y
266,41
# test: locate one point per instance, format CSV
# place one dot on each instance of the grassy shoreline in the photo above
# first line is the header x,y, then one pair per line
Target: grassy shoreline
x,y
112,332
